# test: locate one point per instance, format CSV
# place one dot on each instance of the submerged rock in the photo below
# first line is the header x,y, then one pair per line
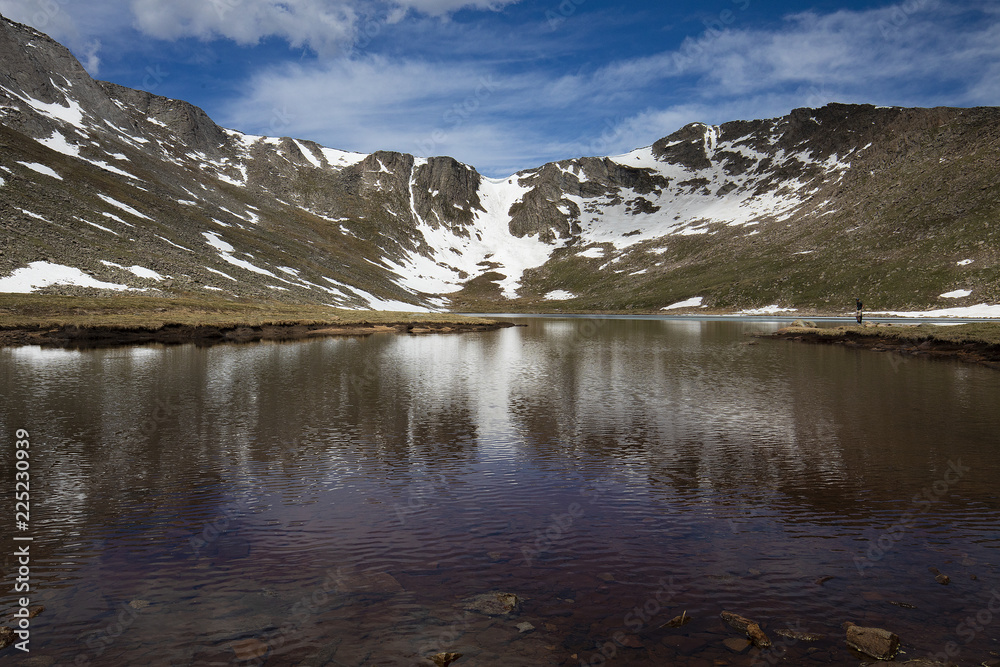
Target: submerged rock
x,y
798,636
493,604
876,642
524,627
677,621
445,659
368,582
737,644
249,649
7,637
752,629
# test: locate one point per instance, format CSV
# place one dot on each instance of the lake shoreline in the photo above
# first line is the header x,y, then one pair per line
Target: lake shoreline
x,y
73,336
980,345
59,321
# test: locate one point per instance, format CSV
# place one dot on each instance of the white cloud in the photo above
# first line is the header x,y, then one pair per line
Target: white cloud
x,y
320,25
325,26
918,53
884,56
373,102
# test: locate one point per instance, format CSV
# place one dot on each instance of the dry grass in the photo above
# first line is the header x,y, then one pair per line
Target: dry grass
x,y
152,313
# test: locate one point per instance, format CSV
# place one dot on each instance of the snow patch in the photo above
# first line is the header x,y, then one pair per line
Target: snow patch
x,y
58,143
965,262
38,275
224,275
137,270
979,310
592,253
41,169
116,218
173,244
213,240
767,310
32,215
102,227
957,294
693,302
308,154
225,251
559,295
124,207
72,114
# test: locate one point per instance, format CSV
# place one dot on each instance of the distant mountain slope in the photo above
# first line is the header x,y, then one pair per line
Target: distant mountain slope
x,y
103,187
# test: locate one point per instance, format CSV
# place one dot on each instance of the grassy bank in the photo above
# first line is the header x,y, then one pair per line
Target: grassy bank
x,y
987,333
977,342
131,313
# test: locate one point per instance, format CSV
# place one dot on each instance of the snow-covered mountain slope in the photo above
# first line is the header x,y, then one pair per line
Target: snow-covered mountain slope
x,y
104,187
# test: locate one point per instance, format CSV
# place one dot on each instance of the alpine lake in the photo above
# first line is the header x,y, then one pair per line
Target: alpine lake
x,y
552,494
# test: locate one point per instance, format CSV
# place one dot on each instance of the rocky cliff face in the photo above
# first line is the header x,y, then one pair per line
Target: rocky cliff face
x,y
103,187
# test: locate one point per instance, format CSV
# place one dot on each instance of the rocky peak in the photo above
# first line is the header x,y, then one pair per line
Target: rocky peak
x,y
185,121
446,192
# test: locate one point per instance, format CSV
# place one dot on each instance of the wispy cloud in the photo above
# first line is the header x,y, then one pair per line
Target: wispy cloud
x,y
922,52
502,87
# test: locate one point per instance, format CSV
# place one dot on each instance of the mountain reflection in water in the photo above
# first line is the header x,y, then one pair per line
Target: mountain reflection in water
x,y
340,501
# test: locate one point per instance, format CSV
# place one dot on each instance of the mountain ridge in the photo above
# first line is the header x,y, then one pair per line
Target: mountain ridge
x,y
121,187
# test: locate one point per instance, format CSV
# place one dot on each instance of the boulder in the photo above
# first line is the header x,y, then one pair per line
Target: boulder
x,y
875,642
445,659
493,604
752,629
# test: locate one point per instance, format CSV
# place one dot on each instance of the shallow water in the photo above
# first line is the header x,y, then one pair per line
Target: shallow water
x,y
335,501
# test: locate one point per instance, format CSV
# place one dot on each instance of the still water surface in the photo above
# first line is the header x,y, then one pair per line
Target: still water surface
x,y
335,502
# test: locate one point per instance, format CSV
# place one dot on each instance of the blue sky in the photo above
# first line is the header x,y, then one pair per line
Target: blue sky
x,y
510,84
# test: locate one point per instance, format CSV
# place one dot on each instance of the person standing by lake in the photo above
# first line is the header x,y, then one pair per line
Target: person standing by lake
x,y
859,305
